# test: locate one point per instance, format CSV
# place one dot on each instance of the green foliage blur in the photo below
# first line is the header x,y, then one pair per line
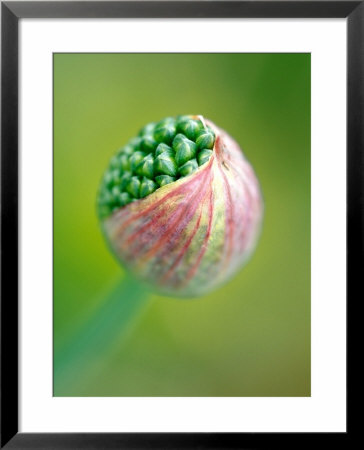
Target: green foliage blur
x,y
251,337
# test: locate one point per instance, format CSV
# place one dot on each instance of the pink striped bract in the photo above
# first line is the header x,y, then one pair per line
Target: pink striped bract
x,y
190,236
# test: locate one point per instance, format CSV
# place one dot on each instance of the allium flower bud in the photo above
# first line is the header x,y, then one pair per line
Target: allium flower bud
x,y
180,206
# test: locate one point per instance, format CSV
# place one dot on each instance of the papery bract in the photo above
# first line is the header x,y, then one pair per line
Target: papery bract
x,y
190,236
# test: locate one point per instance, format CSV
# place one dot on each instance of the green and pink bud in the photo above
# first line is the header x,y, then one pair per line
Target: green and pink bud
x,y
183,210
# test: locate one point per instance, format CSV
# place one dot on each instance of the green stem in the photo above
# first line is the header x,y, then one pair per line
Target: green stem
x,y
97,336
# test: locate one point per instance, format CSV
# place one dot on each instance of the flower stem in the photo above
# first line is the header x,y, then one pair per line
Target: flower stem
x,y
85,351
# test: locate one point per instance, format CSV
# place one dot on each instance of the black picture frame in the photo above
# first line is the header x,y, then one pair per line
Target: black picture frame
x,y
11,12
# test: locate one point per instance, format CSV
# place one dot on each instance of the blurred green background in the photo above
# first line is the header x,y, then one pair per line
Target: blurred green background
x,y
252,336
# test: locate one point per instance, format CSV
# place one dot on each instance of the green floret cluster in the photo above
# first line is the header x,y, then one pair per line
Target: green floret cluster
x,y
162,153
